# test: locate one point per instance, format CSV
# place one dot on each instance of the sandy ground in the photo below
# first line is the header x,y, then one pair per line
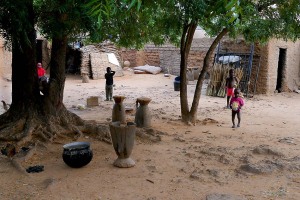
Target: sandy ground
x,y
259,160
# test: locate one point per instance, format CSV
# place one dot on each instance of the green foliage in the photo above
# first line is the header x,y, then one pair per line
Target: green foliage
x,y
159,21
132,23
162,21
14,20
265,20
63,18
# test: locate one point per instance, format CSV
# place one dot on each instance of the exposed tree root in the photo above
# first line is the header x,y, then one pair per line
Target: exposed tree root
x,y
30,133
17,164
97,131
32,129
7,130
149,135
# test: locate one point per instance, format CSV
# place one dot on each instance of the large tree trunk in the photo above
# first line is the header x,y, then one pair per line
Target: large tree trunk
x,y
205,69
35,117
54,95
185,46
25,93
24,75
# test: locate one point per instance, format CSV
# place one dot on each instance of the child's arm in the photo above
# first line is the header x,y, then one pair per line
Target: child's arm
x,y
242,103
226,84
230,103
236,82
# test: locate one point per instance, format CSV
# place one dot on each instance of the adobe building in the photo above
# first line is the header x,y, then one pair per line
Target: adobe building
x,y
94,59
5,61
274,67
168,56
282,60
43,56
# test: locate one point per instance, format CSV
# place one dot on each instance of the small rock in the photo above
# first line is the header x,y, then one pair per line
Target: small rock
x,y
195,175
152,168
264,167
223,160
179,139
213,172
265,149
223,197
287,140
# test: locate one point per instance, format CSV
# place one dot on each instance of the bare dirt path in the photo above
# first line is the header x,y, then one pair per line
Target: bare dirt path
x,y
259,160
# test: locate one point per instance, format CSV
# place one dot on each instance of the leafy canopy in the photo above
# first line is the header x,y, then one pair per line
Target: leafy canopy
x,y
136,22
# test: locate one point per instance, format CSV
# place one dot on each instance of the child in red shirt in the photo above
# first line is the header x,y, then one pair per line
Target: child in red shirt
x,y
236,103
40,70
231,84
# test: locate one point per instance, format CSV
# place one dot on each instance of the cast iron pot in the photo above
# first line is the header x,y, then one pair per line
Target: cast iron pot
x,y
77,154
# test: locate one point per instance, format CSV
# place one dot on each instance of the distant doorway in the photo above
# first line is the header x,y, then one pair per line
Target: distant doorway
x,y
73,61
281,70
39,51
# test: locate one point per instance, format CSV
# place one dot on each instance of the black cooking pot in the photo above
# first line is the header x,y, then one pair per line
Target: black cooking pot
x,y
77,154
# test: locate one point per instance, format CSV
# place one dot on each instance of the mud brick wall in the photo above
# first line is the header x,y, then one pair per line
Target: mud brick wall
x,y
258,84
167,56
129,55
5,61
108,47
85,59
136,57
140,58
99,63
46,51
292,68
268,55
170,61
94,60
236,46
196,58
152,58
259,70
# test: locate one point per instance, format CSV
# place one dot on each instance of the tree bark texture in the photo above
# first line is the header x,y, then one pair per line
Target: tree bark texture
x,y
33,116
185,46
24,72
205,69
54,96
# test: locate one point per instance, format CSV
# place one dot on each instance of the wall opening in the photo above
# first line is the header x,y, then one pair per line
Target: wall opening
x,y
281,70
39,51
73,61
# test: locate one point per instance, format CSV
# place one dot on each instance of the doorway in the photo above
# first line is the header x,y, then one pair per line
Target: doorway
x,y
281,70
39,51
73,61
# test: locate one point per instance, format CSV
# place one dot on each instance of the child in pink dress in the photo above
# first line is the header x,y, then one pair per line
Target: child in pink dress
x,y
236,103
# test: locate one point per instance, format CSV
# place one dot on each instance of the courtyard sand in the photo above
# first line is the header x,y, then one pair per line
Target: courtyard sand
x,y
259,160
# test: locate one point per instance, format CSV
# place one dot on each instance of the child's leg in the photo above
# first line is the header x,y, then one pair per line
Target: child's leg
x,y
107,92
233,116
229,93
228,99
111,92
239,118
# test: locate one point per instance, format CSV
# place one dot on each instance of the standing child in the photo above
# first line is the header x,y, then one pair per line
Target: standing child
x,y
236,103
43,80
231,83
109,83
40,70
